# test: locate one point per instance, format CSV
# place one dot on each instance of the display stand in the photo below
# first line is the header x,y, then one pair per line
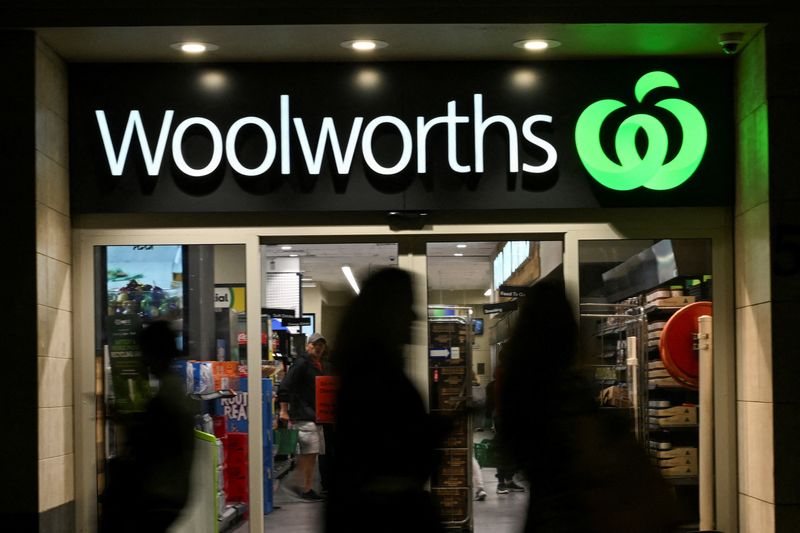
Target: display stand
x,y
450,366
202,511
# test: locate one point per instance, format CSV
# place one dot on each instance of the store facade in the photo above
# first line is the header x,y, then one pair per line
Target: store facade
x,y
414,153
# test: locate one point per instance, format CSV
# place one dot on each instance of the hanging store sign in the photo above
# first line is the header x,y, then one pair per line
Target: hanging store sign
x,y
285,322
399,136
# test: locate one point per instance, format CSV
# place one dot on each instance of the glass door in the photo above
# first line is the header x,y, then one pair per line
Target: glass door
x,y
171,387
307,287
473,290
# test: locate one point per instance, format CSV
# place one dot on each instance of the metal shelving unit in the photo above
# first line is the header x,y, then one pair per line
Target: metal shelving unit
x,y
450,366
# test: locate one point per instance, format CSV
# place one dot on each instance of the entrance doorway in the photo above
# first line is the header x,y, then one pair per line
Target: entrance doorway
x,y
412,253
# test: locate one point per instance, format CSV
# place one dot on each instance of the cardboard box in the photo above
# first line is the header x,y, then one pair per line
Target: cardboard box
x,y
674,301
679,471
683,451
684,460
681,415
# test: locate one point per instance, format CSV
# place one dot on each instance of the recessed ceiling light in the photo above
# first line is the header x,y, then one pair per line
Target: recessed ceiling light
x,y
364,45
461,245
459,255
292,255
286,247
194,47
537,44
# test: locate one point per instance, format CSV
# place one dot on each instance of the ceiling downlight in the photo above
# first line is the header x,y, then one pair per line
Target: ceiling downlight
x,y
537,45
194,47
364,45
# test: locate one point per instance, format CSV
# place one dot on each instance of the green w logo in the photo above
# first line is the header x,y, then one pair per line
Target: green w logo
x,y
650,170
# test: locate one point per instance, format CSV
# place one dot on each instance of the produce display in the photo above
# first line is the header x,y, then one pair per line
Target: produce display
x,y
149,302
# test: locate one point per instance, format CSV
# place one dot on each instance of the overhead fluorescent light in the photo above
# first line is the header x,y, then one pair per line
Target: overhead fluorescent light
x,y
488,292
348,273
461,245
286,247
459,255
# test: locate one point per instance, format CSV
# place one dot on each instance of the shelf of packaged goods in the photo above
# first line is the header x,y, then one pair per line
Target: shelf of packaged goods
x,y
652,309
683,427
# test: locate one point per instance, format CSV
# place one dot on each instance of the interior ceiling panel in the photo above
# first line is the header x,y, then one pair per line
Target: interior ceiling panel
x,y
322,263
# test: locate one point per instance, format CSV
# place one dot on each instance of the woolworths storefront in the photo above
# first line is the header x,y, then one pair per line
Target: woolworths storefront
x,y
621,166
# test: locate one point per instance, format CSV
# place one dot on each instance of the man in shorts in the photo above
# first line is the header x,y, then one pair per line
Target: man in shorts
x,y
297,395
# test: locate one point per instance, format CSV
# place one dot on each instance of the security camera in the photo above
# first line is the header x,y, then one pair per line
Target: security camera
x,y
730,42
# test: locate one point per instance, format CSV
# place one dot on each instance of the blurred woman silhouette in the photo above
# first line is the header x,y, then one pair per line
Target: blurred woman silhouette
x,y
384,436
149,480
587,472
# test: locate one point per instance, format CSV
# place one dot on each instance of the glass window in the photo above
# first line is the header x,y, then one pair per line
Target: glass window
x,y
172,383
640,302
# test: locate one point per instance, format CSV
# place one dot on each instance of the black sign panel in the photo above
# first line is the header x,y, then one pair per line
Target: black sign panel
x,y
274,312
393,136
295,322
512,291
499,307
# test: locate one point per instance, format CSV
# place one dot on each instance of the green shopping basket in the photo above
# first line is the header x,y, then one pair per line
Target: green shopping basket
x,y
285,441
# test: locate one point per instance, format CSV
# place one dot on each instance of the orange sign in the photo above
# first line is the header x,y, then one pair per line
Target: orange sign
x,y
327,387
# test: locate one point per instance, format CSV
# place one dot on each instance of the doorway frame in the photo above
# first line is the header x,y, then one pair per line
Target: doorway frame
x,y
574,226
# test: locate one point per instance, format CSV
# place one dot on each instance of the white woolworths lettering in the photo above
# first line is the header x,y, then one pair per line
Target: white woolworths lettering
x,y
314,162
230,146
552,155
422,134
366,145
480,128
116,162
177,148
314,158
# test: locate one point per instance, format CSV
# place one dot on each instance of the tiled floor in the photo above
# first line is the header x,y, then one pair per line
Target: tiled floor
x,y
499,513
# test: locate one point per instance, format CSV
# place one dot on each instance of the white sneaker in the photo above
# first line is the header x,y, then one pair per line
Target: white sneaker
x,y
480,495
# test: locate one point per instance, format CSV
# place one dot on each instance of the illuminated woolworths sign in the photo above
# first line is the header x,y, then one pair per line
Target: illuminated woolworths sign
x,y
316,137
360,135
651,170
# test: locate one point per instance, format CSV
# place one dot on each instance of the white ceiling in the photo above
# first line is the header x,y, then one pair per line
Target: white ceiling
x,y
323,262
406,41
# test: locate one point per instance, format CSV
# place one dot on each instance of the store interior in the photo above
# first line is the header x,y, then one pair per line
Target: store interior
x,y
628,292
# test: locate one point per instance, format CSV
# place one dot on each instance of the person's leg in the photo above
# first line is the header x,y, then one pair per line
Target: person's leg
x,y
311,444
325,457
306,464
477,480
503,473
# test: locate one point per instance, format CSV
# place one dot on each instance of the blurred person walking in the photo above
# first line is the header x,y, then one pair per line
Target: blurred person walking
x,y
149,480
588,473
506,467
384,437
